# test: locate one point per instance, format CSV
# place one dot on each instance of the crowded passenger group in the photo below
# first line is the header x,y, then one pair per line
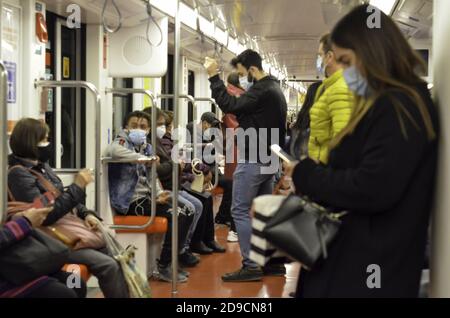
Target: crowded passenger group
x,y
365,141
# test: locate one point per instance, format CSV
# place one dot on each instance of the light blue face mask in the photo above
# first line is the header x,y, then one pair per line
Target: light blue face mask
x,y
356,82
245,84
138,137
319,65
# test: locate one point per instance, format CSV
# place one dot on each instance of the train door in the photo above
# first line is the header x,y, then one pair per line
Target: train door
x,y
65,115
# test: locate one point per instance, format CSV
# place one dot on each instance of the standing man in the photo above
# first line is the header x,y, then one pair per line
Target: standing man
x,y
262,109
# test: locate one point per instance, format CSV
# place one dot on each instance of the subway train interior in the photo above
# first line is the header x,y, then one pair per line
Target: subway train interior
x,y
117,113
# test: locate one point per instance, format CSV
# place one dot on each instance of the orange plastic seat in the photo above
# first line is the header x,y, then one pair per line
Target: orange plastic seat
x,y
159,225
217,191
79,269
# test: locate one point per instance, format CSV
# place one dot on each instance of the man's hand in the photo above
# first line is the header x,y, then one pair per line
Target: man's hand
x,y
163,198
211,66
149,161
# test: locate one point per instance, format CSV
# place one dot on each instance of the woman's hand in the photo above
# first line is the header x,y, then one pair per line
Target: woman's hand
x,y
84,178
91,222
36,216
288,168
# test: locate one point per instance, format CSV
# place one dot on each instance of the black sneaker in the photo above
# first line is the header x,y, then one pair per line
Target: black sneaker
x,y
187,259
245,274
215,247
200,248
274,270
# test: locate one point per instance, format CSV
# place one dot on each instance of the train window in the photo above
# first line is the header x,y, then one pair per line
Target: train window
x,y
191,91
122,104
167,85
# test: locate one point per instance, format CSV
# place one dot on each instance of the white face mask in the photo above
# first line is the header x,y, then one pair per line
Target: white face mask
x,y
161,131
245,84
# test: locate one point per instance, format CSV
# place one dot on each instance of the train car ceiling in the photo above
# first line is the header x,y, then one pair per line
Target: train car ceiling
x,y
287,38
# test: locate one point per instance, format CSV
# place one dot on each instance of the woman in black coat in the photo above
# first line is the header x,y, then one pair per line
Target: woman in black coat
x,y
382,168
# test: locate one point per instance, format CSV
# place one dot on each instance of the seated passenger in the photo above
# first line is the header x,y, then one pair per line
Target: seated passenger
x,y
50,286
130,186
31,151
165,168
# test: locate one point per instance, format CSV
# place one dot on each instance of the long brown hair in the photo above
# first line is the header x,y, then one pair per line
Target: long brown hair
x,y
388,62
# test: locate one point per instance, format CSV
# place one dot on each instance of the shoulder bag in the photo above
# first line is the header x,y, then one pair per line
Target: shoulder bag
x,y
303,230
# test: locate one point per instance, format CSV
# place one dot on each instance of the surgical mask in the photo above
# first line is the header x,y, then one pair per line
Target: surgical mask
x,y
320,66
356,82
161,131
138,137
45,152
207,135
245,84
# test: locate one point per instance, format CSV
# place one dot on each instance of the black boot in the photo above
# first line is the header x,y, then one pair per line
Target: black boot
x,y
200,248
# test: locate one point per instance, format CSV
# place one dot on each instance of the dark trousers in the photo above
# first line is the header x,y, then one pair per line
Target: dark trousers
x,y
184,223
56,287
205,226
224,213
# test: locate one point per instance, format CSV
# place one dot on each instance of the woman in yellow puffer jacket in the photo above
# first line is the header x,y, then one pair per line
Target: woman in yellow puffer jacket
x,y
333,106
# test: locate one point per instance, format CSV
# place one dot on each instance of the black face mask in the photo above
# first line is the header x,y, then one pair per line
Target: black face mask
x,y
45,153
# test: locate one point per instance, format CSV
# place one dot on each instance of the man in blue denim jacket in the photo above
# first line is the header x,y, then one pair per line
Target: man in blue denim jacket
x,y
130,187
129,182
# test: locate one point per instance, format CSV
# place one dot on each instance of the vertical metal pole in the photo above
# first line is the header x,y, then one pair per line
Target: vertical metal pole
x,y
4,141
154,164
176,120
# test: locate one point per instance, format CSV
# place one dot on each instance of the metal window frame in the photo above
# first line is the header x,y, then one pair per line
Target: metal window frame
x,y
98,130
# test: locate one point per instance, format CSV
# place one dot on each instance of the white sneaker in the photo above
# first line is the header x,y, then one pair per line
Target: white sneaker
x,y
232,237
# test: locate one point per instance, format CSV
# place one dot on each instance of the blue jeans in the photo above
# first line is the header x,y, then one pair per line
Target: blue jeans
x,y
196,207
248,183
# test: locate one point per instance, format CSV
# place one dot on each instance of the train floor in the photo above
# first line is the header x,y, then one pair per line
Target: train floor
x,y
205,279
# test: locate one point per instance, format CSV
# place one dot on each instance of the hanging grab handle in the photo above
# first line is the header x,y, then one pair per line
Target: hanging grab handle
x,y
152,19
105,24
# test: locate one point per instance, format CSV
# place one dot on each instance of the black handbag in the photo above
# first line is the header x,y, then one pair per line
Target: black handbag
x,y
36,255
303,230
